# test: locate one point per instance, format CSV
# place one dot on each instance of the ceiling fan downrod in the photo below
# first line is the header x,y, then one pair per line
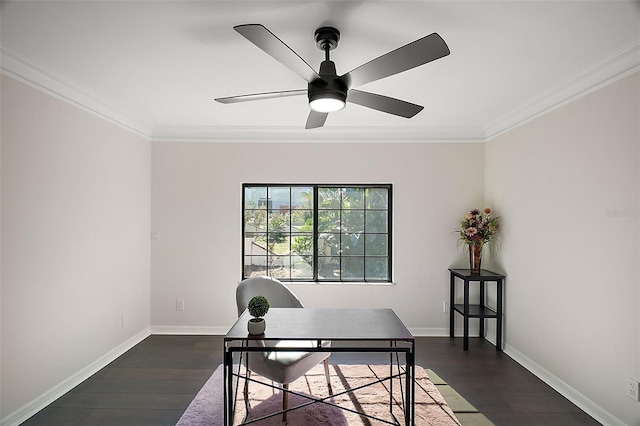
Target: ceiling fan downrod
x,y
328,93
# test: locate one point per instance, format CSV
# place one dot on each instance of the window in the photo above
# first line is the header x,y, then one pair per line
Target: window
x,y
317,232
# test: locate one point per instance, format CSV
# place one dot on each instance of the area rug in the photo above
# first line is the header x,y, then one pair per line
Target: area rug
x,y
430,407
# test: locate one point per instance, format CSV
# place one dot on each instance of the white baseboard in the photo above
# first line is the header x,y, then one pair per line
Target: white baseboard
x,y
438,332
190,330
584,403
31,408
428,332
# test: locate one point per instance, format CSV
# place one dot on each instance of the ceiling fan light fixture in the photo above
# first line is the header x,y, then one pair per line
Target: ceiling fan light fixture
x,y
328,96
328,102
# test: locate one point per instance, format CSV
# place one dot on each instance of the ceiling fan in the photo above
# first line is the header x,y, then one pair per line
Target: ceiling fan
x,y
328,92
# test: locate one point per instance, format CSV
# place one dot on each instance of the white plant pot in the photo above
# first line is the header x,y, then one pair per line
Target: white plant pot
x,y
256,325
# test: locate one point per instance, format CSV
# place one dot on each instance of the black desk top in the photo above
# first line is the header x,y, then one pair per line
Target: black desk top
x,y
326,324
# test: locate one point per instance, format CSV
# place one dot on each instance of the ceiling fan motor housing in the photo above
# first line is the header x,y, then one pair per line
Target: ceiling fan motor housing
x,y
329,86
334,89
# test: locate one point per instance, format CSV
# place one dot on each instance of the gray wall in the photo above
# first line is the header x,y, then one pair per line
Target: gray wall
x,y
568,186
75,243
197,207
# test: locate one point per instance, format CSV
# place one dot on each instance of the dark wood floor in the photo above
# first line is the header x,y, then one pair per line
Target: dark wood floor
x,y
154,382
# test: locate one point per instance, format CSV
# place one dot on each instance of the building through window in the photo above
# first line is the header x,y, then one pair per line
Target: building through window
x,y
317,232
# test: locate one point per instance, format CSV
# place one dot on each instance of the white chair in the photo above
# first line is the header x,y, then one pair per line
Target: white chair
x,y
280,367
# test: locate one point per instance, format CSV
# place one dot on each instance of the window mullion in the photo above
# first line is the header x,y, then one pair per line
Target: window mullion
x,y
364,234
267,233
341,233
315,234
290,209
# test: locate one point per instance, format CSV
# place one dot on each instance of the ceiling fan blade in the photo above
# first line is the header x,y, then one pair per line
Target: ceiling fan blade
x,y
316,119
260,96
267,41
404,58
384,103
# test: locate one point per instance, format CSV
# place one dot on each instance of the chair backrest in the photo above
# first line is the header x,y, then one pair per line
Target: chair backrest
x,y
276,292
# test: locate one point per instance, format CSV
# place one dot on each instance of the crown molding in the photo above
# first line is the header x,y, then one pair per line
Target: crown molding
x,y
621,63
19,67
369,134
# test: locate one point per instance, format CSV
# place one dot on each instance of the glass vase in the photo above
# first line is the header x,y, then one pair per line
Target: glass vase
x,y
475,258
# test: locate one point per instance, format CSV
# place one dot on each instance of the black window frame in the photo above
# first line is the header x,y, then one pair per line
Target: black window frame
x,y
316,277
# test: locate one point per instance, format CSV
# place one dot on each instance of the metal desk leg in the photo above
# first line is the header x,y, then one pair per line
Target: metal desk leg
x,y
228,386
413,383
409,412
391,344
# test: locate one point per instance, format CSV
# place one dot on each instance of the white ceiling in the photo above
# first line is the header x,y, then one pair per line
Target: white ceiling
x,y
156,66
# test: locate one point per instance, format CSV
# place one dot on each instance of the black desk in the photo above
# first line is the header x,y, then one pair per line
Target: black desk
x,y
369,328
477,310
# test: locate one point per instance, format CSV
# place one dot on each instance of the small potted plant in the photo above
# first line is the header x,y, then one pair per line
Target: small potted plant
x,y
258,307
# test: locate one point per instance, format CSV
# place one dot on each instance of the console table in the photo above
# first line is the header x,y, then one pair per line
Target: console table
x,y
476,310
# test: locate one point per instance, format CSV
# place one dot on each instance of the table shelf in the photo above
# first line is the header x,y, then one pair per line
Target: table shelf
x,y
476,311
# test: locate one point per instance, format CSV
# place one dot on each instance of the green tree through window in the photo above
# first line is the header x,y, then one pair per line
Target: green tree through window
x,y
317,232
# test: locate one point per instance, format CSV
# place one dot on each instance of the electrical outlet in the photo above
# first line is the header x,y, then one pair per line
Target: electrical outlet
x,y
633,389
124,318
179,304
445,306
155,236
